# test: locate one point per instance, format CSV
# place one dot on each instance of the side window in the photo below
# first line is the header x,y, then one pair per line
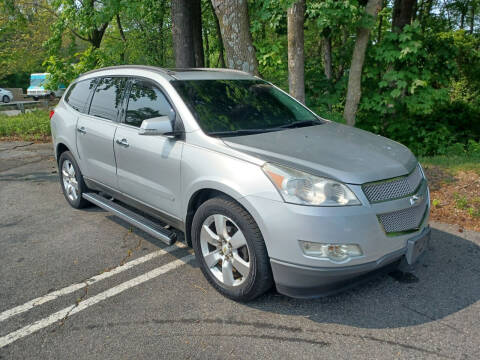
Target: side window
x,y
145,101
107,98
78,94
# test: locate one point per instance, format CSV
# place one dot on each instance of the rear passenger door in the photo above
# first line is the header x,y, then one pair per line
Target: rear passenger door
x,y
148,167
96,130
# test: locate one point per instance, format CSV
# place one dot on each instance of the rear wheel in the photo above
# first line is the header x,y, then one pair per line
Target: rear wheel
x,y
5,99
230,249
71,180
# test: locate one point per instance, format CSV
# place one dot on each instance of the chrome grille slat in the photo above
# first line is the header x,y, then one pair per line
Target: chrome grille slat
x,y
393,188
403,220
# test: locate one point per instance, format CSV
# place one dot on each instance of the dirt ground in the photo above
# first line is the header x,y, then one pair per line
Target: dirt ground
x,y
455,197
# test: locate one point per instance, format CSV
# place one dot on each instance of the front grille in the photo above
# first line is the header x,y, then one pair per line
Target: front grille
x,y
393,188
404,220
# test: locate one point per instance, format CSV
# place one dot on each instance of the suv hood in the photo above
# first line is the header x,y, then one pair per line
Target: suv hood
x,y
331,150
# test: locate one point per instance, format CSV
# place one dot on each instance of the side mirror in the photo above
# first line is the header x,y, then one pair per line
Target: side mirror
x,y
156,126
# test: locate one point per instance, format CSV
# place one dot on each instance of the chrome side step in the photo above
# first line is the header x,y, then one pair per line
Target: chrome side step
x,y
156,230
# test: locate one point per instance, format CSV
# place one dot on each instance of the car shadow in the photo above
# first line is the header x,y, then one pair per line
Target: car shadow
x,y
152,240
448,281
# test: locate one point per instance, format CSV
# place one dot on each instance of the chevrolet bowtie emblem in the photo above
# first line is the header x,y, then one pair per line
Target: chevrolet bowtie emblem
x,y
415,199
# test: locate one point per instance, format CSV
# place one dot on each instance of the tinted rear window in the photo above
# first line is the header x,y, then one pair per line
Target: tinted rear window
x,y
232,105
107,98
78,94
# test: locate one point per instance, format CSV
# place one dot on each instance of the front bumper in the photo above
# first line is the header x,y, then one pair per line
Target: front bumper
x,y
283,225
310,282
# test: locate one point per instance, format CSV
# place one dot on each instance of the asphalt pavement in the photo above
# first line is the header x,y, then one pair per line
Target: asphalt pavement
x,y
82,284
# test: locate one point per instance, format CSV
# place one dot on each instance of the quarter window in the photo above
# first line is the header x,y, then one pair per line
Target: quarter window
x,y
145,101
78,94
107,98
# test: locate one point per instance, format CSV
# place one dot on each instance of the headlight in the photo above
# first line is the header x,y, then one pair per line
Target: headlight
x,y
333,252
298,187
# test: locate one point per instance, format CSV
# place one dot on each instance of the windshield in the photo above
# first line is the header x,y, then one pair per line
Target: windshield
x,y
248,106
37,82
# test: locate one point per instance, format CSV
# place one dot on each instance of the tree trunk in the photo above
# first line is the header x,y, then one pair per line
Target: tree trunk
x,y
197,33
403,11
124,39
221,55
472,17
237,39
327,57
426,11
182,34
354,90
96,36
296,57
207,47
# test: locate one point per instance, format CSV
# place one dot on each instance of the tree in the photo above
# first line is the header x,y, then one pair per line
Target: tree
x,y
182,34
403,12
354,91
22,33
296,58
196,24
237,39
221,55
87,20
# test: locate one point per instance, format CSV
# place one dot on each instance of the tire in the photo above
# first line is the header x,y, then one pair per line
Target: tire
x,y
226,255
36,98
51,96
70,174
6,99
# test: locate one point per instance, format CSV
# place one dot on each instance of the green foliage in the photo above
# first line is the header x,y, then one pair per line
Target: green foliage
x,y
461,202
420,86
33,125
269,30
22,33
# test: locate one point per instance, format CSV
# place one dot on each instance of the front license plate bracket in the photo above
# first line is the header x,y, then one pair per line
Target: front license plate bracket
x,y
416,247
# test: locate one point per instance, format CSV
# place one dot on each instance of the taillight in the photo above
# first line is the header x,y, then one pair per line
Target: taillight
x,y
51,113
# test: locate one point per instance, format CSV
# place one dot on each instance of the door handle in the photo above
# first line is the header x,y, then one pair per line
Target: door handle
x,y
123,142
82,130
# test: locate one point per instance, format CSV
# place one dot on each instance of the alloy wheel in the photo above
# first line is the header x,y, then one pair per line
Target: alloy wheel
x,y
70,183
225,250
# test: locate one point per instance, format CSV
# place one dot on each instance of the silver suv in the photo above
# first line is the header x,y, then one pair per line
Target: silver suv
x,y
265,191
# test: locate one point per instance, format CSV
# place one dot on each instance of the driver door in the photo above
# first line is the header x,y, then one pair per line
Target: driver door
x,y
148,166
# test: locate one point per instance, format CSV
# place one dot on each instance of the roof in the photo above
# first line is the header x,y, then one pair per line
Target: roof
x,y
182,74
39,75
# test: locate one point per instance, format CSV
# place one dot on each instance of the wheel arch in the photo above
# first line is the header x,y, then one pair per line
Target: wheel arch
x,y
202,195
60,148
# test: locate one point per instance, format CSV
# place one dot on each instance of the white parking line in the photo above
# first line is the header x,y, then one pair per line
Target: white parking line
x,y
73,309
74,287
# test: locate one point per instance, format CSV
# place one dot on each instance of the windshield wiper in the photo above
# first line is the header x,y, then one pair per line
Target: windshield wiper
x,y
300,123
240,132
295,124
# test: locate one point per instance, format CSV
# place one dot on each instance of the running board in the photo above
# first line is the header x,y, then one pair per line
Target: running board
x,y
156,230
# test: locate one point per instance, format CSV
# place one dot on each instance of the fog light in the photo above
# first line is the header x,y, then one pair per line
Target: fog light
x,y
334,252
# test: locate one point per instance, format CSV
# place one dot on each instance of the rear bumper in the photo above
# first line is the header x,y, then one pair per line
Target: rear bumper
x,y
310,282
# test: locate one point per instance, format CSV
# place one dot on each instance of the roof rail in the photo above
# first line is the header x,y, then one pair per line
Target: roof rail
x,y
209,69
140,67
170,72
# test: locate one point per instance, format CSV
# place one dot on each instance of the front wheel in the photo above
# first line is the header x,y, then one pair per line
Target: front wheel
x,y
6,99
230,249
71,180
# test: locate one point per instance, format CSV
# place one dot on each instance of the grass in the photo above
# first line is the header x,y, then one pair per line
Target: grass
x,y
454,163
30,126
